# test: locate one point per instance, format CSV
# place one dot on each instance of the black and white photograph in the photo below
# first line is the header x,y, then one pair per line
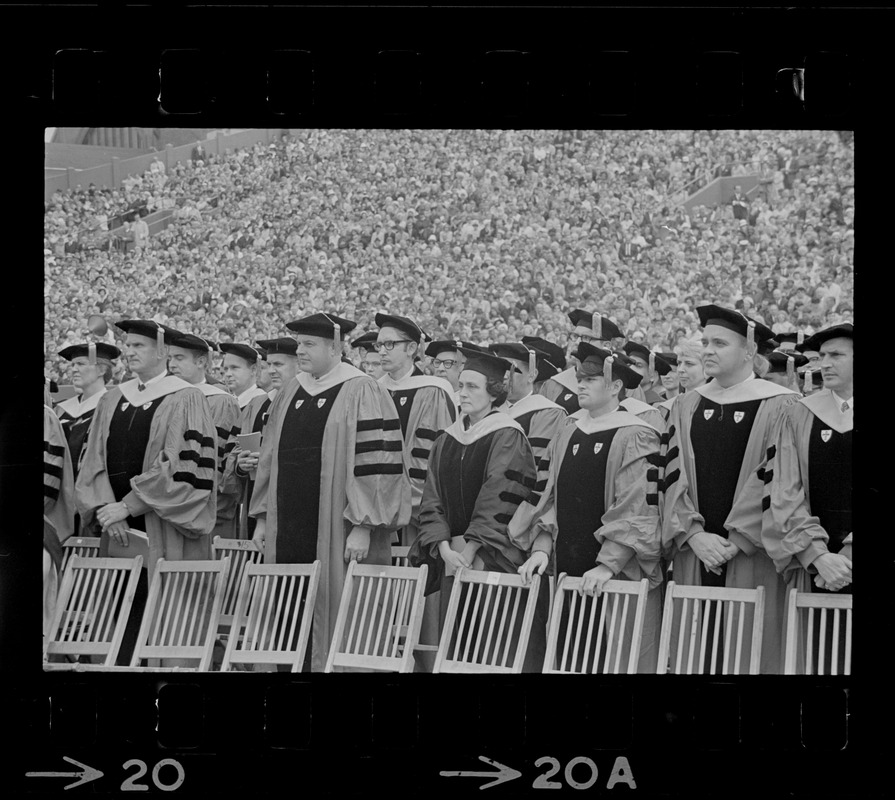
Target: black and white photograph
x,y
431,400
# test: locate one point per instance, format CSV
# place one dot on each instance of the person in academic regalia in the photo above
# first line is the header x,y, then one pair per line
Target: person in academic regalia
x,y
541,419
330,481
59,509
671,382
807,523
91,372
718,438
782,368
592,329
425,404
371,361
149,463
651,366
690,375
599,513
242,366
551,360
480,469
190,358
448,360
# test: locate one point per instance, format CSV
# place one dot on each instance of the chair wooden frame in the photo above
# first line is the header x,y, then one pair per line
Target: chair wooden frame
x,y
615,593
507,589
267,615
172,613
84,546
400,555
241,552
396,624
737,600
823,603
92,611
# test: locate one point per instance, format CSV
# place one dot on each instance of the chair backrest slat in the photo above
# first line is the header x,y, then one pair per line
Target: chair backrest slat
x,y
385,606
92,610
482,635
811,631
712,628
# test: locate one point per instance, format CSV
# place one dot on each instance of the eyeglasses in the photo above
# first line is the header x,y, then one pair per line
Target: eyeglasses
x,y
388,346
447,363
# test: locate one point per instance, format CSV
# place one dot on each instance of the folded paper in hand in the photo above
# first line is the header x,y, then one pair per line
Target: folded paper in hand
x,y
137,545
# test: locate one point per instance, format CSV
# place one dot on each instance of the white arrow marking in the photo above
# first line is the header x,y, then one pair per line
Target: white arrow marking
x,y
85,776
505,774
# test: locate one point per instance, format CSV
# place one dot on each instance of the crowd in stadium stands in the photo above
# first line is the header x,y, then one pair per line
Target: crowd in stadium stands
x,y
486,236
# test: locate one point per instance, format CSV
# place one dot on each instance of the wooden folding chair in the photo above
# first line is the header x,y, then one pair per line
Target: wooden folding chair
x,y
240,552
711,617
379,619
812,646
274,611
400,556
92,610
84,546
182,612
488,633
588,635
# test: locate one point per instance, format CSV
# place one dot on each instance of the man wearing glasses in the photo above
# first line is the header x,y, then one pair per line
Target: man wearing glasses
x,y
592,329
425,404
448,361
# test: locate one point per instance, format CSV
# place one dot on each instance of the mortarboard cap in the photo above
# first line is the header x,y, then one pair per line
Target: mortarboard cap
x,y
148,328
190,341
491,366
450,346
734,321
596,361
604,329
326,326
655,361
367,342
102,349
844,331
246,351
670,358
403,324
551,359
781,363
285,345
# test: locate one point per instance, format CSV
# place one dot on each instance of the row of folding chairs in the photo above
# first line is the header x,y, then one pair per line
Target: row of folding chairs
x,y
258,611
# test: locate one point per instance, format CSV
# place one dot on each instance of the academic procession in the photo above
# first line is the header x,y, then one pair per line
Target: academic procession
x,y
343,498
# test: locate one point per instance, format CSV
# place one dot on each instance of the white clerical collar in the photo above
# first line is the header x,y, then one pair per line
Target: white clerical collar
x,y
153,381
244,398
847,405
510,405
153,389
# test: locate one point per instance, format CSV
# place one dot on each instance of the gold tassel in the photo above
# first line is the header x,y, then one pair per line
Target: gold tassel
x,y
807,381
652,362
750,333
800,337
532,362
607,369
159,335
791,370
598,326
91,353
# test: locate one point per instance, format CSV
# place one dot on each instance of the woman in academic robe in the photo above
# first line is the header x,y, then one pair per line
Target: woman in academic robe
x,y
480,469
598,516
718,438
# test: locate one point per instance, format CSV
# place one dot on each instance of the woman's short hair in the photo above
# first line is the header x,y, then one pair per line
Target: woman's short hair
x,y
497,390
105,368
691,349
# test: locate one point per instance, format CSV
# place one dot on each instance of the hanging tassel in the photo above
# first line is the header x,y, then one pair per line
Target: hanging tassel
x,y
607,369
159,335
598,326
652,362
800,337
337,331
532,363
91,353
750,333
210,353
791,371
806,386
509,383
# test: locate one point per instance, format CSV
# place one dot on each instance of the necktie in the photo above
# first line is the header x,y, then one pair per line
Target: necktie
x,y
845,407
141,386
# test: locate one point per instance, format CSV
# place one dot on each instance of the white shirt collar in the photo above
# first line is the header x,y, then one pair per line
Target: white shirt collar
x,y
839,401
155,380
406,374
